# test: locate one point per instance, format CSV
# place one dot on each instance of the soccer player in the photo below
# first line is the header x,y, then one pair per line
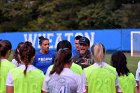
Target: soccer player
x,y
5,65
26,78
126,79
74,67
138,78
100,77
62,79
45,57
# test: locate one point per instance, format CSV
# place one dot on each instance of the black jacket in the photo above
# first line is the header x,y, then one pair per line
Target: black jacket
x,y
80,59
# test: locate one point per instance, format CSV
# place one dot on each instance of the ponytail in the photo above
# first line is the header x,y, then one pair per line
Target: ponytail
x,y
63,57
16,53
26,60
98,52
26,52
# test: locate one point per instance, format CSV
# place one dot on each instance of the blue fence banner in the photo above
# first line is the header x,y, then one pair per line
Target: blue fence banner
x,y
113,39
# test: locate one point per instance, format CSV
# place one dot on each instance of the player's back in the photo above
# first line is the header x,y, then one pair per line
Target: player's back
x,y
62,84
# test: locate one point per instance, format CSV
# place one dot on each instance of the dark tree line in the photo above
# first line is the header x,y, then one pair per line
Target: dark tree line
x,y
34,15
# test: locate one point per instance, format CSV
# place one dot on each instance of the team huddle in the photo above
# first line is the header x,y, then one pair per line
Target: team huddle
x,y
65,70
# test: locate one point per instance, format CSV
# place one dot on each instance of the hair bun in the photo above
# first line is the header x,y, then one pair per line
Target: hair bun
x,y
28,43
41,37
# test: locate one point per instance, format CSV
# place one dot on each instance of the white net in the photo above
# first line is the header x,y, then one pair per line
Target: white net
x,y
135,43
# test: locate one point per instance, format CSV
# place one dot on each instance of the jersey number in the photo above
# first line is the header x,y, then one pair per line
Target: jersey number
x,y
62,89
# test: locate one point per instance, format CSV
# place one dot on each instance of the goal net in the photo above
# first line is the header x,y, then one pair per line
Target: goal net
x,y
135,43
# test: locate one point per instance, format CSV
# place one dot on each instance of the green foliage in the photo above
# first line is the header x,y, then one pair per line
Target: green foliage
x,y
59,14
16,15
127,15
34,15
94,16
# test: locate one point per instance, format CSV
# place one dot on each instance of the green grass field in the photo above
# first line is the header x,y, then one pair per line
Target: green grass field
x,y
132,61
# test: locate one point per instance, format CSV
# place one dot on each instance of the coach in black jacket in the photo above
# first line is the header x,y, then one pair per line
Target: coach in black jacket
x,y
83,58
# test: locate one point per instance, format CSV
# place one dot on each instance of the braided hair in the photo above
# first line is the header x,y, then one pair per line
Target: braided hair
x,y
26,52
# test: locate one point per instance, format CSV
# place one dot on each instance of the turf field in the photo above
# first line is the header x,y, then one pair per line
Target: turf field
x,y
131,61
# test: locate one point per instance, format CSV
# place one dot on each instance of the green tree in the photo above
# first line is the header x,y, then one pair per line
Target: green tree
x,y
95,16
128,16
59,14
16,15
34,15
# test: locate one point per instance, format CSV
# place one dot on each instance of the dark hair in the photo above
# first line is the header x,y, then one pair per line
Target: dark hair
x,y
26,52
6,43
64,44
42,39
5,46
78,37
63,56
16,53
3,50
118,60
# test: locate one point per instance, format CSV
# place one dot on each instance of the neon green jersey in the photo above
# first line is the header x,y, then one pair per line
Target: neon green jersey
x,y
31,83
74,67
5,66
127,83
101,79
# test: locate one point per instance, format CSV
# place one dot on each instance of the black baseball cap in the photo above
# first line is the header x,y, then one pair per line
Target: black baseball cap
x,y
84,40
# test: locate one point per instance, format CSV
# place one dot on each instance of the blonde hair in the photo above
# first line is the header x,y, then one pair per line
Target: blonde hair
x,y
98,52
